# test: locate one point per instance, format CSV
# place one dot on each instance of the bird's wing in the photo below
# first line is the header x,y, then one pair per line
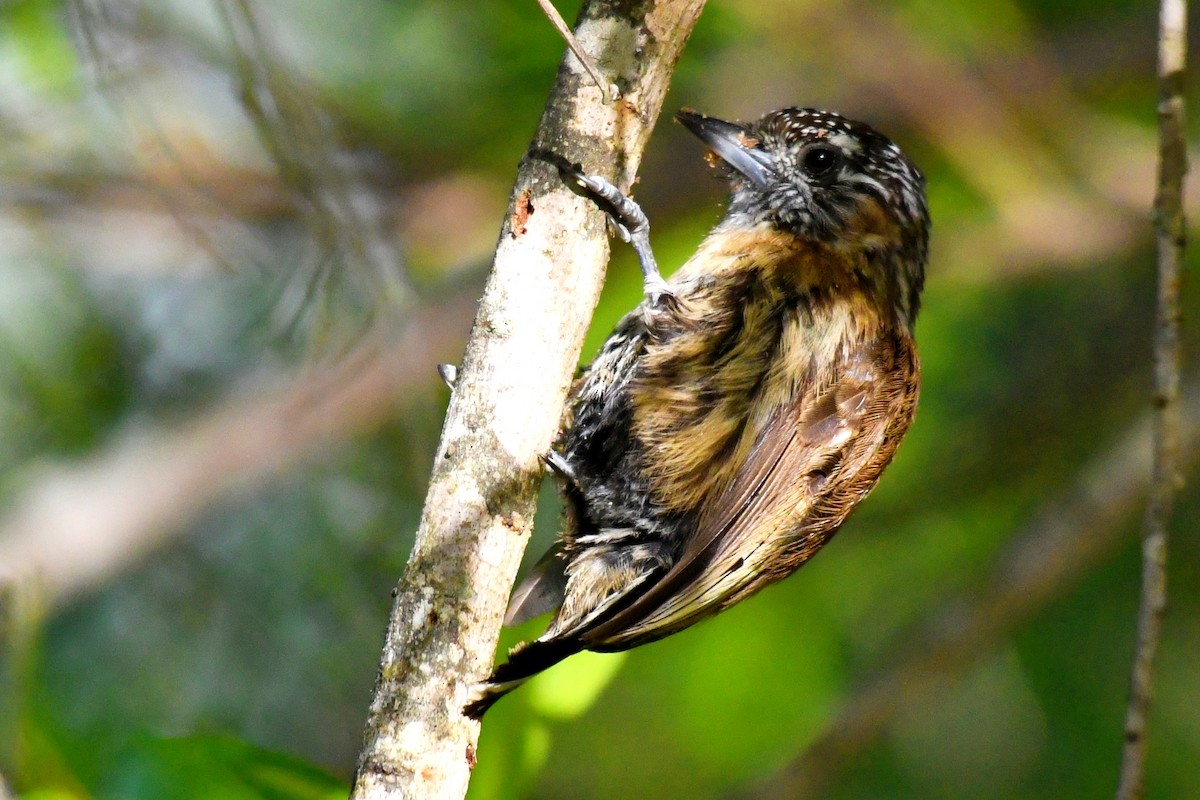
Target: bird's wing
x,y
542,590
814,460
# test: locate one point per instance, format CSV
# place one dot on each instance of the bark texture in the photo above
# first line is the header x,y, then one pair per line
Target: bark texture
x,y
507,404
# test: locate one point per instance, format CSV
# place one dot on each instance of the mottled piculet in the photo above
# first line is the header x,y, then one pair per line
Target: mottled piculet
x,y
735,418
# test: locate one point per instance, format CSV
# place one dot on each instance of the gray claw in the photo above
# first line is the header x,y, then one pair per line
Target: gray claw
x,y
631,225
659,294
557,463
449,374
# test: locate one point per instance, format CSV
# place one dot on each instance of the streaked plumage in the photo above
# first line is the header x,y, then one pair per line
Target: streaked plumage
x,y
725,432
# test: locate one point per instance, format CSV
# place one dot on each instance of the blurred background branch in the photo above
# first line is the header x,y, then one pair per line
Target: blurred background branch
x,y
77,527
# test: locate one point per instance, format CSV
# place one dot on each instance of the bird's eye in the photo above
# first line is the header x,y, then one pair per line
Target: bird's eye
x,y
821,161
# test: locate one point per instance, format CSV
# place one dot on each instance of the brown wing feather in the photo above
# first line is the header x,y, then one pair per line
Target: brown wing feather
x,y
814,461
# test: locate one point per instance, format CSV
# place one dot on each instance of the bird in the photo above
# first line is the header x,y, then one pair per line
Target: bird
x,y
733,420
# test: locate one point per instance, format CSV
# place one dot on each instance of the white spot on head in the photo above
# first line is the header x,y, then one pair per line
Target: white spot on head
x,y
849,144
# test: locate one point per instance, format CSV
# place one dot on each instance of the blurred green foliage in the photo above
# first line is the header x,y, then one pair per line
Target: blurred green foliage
x,y
149,235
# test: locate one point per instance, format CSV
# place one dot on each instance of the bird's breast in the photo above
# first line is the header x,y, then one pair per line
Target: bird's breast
x,y
757,323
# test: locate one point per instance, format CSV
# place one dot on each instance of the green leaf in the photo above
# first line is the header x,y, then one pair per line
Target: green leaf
x,y
570,688
35,37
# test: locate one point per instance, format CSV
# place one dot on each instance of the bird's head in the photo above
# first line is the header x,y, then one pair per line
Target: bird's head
x,y
826,179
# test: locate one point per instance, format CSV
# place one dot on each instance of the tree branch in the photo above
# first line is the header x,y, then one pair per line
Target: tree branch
x,y
507,404
1169,222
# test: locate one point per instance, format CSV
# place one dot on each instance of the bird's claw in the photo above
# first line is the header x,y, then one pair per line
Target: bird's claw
x,y
630,223
621,230
626,215
660,296
558,464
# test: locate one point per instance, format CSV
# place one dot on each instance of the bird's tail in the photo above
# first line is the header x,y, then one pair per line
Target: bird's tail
x,y
523,663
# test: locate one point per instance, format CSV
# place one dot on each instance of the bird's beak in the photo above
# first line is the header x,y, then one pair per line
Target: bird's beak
x,y
733,144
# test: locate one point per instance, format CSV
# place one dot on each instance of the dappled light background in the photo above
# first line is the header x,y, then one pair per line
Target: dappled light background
x,y
236,236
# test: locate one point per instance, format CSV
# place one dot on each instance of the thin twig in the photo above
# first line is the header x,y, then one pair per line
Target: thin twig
x,y
299,138
100,37
1070,533
1169,224
608,91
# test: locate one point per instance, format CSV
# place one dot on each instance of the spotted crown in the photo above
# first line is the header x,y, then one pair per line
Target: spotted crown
x,y
828,173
